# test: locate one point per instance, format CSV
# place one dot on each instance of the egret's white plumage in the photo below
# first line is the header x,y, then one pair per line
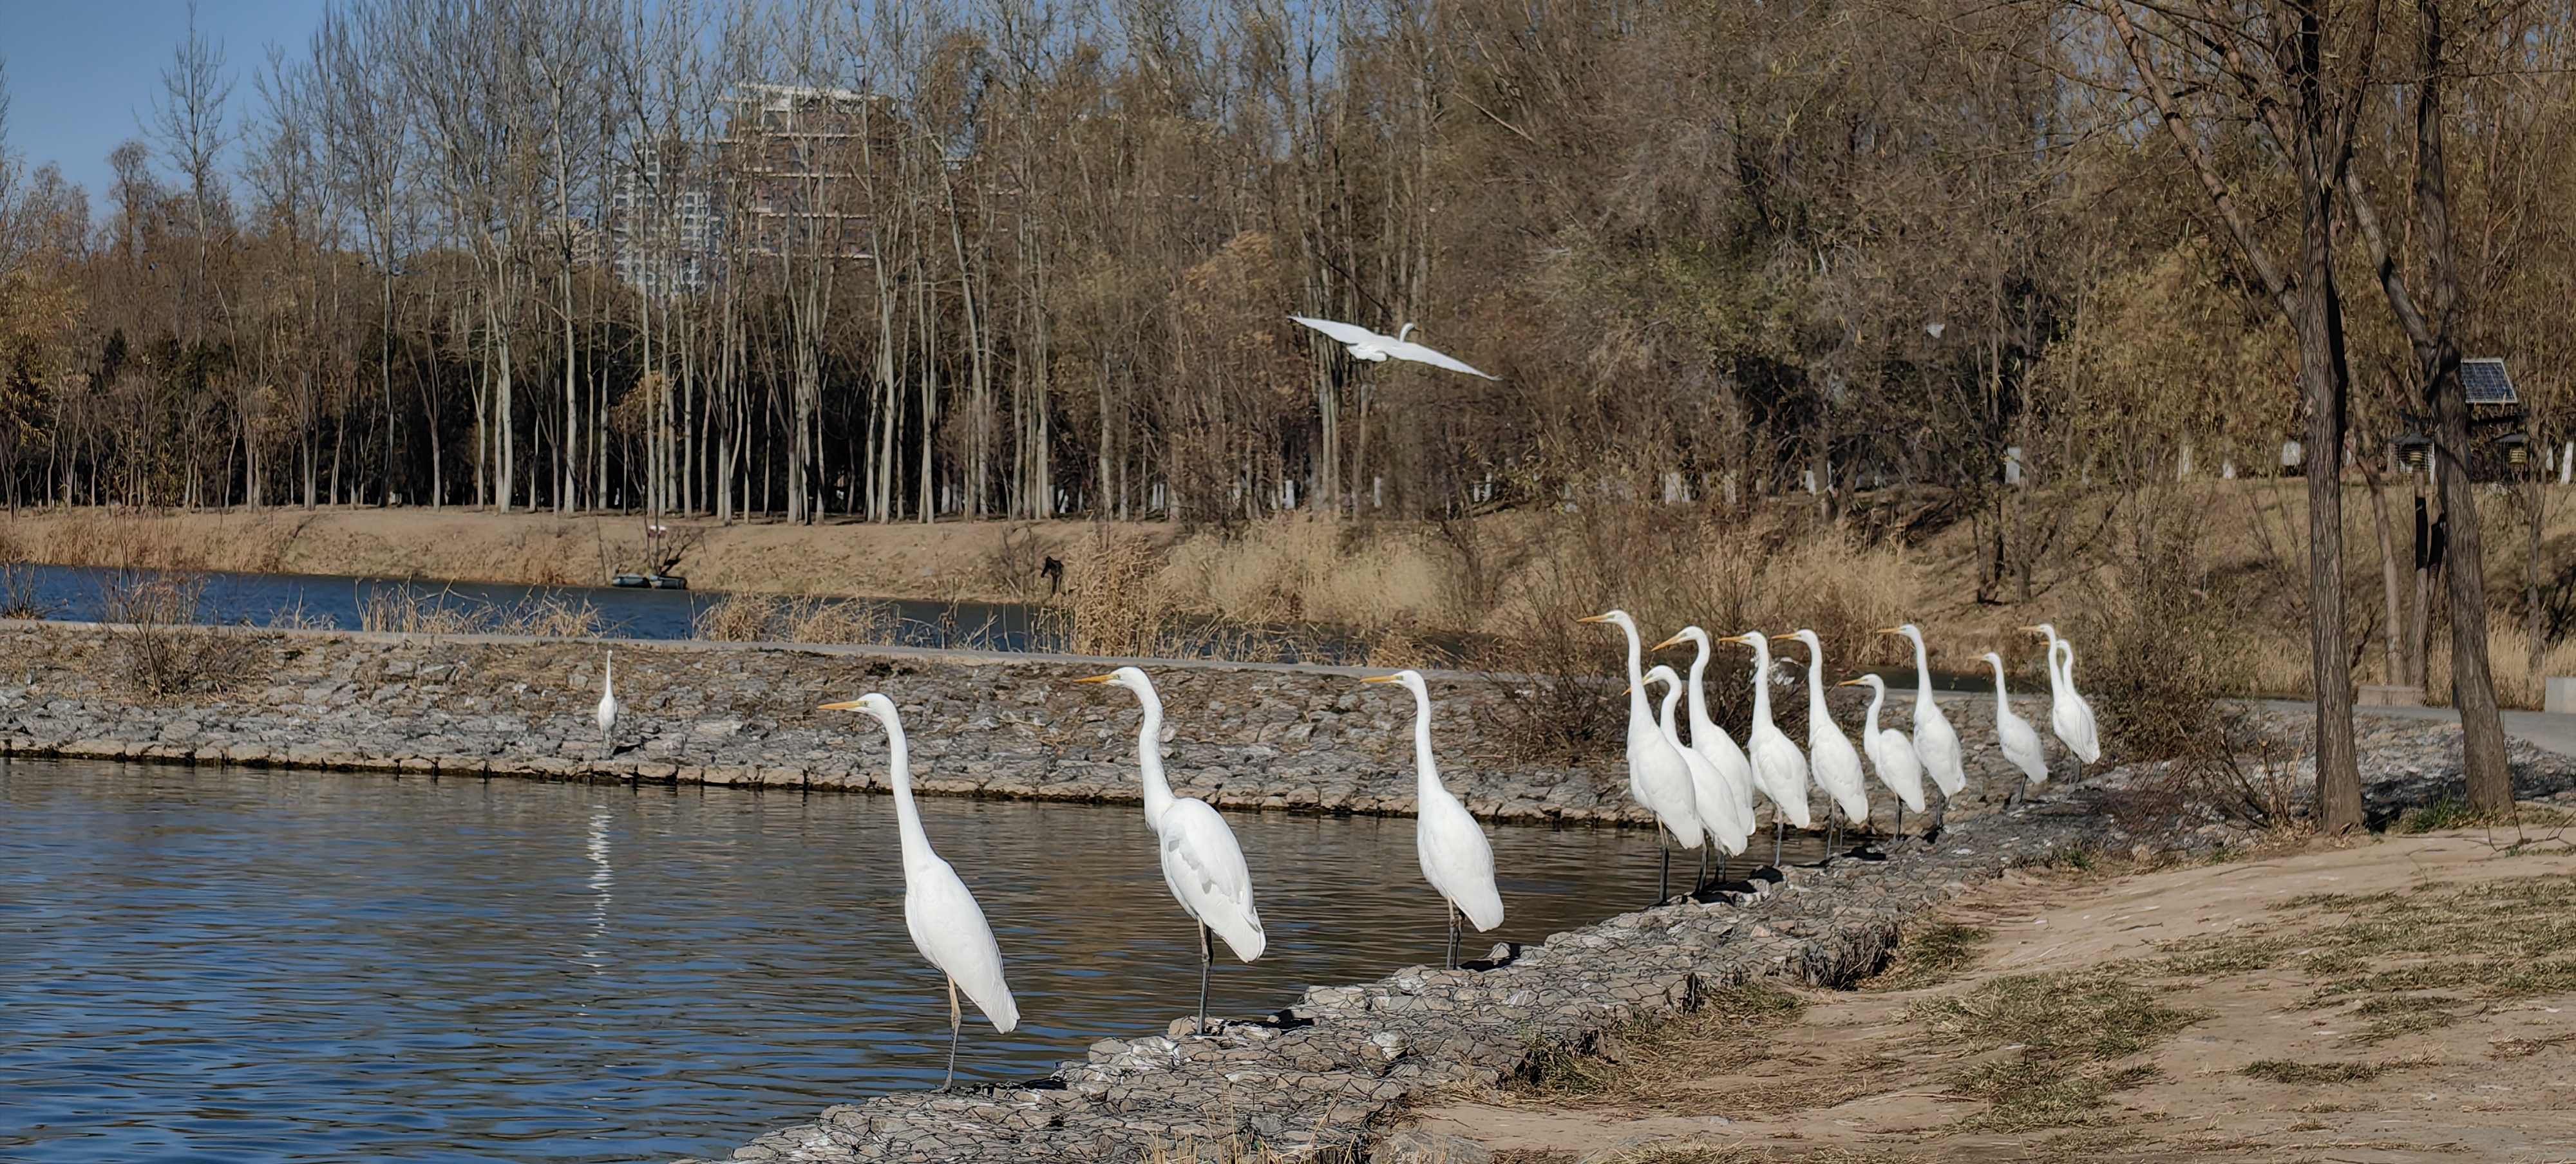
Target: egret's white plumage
x,y
1456,858
2013,734
947,926
1711,741
1830,758
1201,861
1891,755
608,703
1368,345
2069,716
1779,768
1657,776
1708,789
2091,729
1936,743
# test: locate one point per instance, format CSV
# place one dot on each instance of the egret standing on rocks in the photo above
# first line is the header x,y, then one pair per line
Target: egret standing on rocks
x,y
1201,861
608,705
1456,858
946,924
1368,345
1829,752
1708,789
1657,775
2013,733
1936,743
2069,716
1711,741
1891,755
1779,769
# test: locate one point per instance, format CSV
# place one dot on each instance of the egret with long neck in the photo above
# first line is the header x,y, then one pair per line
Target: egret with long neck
x,y
1829,753
946,924
1657,775
1712,743
1456,858
1779,768
1717,817
1202,864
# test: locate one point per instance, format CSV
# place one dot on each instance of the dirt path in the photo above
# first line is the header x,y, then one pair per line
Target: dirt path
x,y
2412,998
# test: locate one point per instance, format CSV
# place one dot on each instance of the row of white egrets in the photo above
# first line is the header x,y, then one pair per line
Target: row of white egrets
x,y
1700,790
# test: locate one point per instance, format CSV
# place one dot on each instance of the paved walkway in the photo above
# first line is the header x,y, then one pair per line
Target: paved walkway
x,y
2541,729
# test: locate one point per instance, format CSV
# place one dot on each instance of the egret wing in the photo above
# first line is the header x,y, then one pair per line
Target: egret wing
x,y
950,930
1899,768
1408,350
1458,860
2021,746
1349,333
1205,869
1937,744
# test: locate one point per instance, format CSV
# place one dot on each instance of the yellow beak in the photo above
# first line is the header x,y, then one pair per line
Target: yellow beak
x,y
1594,618
1888,630
845,705
1782,638
1096,679
1851,682
1379,679
2034,630
1666,643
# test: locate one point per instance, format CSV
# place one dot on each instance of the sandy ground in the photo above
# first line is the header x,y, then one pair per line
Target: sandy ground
x,y
2491,1080
955,561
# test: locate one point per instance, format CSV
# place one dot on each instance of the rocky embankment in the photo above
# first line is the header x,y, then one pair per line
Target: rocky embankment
x,y
1327,1074
1238,735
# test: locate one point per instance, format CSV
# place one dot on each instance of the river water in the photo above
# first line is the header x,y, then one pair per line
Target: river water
x,y
224,965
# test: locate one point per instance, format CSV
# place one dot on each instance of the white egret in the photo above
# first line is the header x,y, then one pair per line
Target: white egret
x,y
1708,789
946,924
1368,345
1657,776
2069,716
1936,743
1779,768
1711,741
608,706
2083,707
1456,858
2013,733
1201,861
1830,757
1891,755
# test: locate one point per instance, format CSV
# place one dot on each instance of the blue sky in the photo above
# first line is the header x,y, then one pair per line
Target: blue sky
x,y
83,73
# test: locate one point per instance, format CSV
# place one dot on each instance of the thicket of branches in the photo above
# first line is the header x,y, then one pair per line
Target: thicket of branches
x,y
903,259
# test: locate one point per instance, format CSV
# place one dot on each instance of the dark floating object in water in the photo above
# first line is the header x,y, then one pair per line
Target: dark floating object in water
x,y
650,581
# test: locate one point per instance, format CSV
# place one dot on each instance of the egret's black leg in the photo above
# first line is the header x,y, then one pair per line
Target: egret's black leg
x,y
1453,935
1664,874
1207,955
1777,831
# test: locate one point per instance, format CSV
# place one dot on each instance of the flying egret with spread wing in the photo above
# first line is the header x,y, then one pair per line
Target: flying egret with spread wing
x,y
946,924
1456,858
1201,861
1368,345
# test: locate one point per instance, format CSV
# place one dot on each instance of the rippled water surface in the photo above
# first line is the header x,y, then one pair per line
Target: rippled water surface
x,y
223,965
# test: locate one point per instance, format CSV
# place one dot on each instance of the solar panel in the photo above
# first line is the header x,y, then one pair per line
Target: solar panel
x,y
2485,382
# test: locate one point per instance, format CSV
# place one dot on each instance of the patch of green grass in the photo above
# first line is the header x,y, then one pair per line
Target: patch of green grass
x,y
1931,955
2450,812
2285,1071
2080,858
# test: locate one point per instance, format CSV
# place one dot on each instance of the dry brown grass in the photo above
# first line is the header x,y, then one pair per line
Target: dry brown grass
x,y
740,618
1118,607
407,609
160,650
